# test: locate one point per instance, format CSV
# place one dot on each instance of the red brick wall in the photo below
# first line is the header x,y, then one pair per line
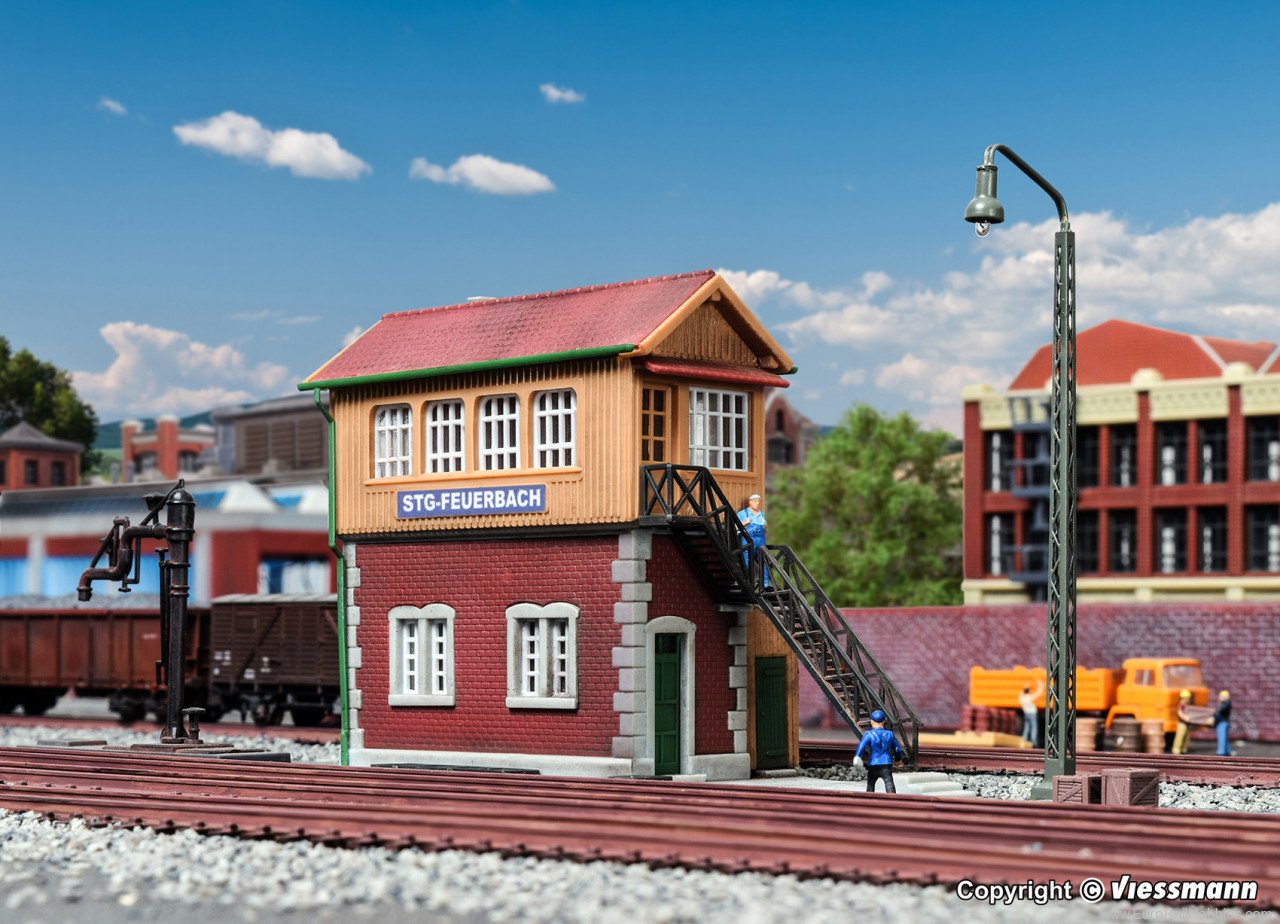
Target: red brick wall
x,y
677,591
236,555
927,652
480,580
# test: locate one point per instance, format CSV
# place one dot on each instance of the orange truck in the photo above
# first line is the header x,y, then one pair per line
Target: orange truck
x,y
1145,688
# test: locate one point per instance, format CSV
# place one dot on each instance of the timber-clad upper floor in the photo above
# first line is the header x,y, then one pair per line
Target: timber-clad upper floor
x,y
540,410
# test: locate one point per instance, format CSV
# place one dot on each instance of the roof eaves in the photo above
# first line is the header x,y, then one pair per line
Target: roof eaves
x,y
588,353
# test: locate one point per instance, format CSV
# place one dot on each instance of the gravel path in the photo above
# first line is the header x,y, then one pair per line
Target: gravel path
x,y
55,872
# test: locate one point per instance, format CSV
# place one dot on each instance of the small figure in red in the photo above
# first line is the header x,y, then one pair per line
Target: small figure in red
x,y
882,750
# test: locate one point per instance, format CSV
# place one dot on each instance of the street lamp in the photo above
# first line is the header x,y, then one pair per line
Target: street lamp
x,y
985,210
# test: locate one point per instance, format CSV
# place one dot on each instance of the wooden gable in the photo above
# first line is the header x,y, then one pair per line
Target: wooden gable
x,y
715,326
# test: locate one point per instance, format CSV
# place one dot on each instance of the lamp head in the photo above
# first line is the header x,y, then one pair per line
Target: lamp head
x,y
984,209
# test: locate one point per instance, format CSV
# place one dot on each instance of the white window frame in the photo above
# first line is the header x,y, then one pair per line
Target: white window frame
x,y
429,629
444,426
392,440
542,652
498,432
555,428
713,426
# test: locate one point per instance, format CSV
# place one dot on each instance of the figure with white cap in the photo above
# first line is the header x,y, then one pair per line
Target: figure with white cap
x,y
752,517
882,750
1222,723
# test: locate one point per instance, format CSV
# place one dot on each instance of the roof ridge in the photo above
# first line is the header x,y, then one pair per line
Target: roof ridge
x,y
537,295
1213,354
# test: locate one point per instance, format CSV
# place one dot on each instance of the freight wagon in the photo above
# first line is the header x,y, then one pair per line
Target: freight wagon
x,y
262,655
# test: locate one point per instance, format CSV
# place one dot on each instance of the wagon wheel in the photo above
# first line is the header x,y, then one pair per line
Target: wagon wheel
x,y
267,713
307,716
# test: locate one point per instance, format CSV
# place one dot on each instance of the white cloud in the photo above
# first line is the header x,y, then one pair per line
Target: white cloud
x,y
1218,276
553,94
352,335
483,174
308,154
165,371
113,106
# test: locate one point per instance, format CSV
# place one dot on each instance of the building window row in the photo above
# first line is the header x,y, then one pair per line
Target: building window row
x,y
1172,464
498,435
541,659
718,429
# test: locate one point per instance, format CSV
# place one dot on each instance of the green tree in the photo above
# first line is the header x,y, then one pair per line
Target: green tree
x,y
875,513
42,394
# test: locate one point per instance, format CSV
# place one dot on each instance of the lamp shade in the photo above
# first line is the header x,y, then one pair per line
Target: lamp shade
x,y
984,206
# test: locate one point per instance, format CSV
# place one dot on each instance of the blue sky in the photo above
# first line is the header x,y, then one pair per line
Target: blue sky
x,y
201,201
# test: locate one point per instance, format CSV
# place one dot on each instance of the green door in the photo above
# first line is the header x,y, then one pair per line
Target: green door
x,y
772,738
666,703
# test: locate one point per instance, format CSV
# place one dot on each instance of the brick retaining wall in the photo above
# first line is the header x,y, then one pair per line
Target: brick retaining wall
x,y
927,651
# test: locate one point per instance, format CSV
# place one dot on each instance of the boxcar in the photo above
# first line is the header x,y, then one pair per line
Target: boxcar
x,y
274,652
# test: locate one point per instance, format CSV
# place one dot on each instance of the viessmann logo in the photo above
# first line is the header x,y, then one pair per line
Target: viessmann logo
x,y
1094,890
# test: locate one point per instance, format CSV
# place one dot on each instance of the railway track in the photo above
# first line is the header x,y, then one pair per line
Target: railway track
x,y
81,724
1183,768
852,836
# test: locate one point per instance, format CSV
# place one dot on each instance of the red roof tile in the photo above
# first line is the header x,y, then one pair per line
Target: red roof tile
x,y
511,329
1111,352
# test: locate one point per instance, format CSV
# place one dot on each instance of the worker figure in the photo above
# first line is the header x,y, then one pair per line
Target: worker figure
x,y
1184,723
753,519
1222,723
1031,712
882,750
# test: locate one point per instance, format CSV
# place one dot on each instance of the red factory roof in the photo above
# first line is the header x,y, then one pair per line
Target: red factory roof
x,y
1111,352
605,319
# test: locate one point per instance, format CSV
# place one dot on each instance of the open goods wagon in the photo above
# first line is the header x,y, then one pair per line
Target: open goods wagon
x,y
262,655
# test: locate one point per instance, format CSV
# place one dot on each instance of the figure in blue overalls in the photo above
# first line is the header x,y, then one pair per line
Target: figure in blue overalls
x,y
882,749
752,517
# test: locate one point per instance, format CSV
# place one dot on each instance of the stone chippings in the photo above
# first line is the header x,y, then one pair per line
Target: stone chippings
x,y
51,871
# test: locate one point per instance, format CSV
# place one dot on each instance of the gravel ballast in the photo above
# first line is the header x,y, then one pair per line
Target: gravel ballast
x,y
55,872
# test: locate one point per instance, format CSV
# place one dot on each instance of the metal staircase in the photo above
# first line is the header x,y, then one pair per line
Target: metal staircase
x,y
687,500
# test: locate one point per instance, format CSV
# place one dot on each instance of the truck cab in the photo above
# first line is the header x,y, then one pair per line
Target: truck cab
x,y
1151,687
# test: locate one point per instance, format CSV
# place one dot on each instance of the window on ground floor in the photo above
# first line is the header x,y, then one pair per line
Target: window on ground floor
x,y
1262,538
542,668
421,648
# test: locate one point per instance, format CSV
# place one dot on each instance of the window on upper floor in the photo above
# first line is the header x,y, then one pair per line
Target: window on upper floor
x,y
1171,453
498,424
655,403
542,658
188,461
421,659
1124,456
1171,540
1262,538
554,428
718,427
779,450
31,472
999,460
1211,539
446,431
58,473
1264,448
392,440
1212,463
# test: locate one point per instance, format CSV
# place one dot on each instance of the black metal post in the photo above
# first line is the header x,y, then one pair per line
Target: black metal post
x,y
179,530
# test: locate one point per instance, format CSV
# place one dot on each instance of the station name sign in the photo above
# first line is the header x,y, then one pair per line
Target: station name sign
x,y
471,502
